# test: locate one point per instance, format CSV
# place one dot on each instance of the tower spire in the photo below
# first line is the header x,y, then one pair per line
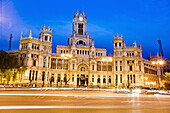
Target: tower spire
x,y
30,35
124,45
44,26
21,35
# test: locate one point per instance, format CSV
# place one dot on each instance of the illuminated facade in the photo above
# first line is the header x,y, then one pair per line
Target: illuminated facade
x,y
80,63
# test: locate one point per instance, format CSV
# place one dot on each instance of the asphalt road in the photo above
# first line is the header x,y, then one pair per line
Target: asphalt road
x,y
81,102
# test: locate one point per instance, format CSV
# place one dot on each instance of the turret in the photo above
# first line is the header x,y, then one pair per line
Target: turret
x,y
118,41
46,34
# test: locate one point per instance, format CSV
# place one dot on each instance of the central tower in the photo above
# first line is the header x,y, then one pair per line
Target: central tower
x,y
79,23
79,35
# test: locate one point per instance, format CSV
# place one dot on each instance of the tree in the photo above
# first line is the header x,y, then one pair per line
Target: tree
x,y
166,80
8,65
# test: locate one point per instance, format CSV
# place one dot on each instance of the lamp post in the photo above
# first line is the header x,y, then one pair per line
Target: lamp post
x,y
158,64
67,56
20,76
107,60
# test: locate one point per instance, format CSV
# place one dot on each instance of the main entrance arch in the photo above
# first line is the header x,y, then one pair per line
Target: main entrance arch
x,y
82,75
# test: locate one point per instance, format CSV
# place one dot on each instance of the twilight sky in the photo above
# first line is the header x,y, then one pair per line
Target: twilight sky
x,y
145,21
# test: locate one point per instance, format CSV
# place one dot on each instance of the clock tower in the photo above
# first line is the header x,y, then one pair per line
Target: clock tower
x,y
79,23
79,33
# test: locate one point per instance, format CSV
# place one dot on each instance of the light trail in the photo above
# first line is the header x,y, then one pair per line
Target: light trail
x,y
65,95
60,107
89,101
61,95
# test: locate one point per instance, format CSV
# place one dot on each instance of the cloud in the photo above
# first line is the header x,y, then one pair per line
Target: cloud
x,y
62,28
98,30
10,22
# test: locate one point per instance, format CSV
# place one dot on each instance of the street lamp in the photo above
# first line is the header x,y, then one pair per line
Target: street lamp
x,y
67,56
20,76
158,63
107,59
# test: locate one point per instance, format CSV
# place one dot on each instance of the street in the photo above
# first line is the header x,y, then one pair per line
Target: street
x,y
81,101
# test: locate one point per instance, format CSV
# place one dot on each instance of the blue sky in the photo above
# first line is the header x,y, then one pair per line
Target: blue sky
x,y
145,21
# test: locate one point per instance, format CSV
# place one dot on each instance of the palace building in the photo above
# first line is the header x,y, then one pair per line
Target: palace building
x,y
80,63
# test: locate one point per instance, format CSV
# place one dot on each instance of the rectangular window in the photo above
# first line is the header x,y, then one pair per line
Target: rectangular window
x,y
73,66
30,75
120,68
36,75
116,68
109,79
80,29
130,68
34,62
119,44
59,78
104,79
72,78
43,76
116,80
120,78
44,64
46,37
115,44
92,78
65,77
98,79
139,68
134,79
92,67
33,75
130,78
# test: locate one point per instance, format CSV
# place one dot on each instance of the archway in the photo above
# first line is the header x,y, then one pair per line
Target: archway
x,y
82,77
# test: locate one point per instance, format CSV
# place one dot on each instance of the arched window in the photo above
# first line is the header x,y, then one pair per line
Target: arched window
x,y
82,69
80,42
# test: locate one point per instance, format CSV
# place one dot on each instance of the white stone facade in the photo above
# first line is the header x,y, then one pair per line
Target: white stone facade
x,y
85,67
